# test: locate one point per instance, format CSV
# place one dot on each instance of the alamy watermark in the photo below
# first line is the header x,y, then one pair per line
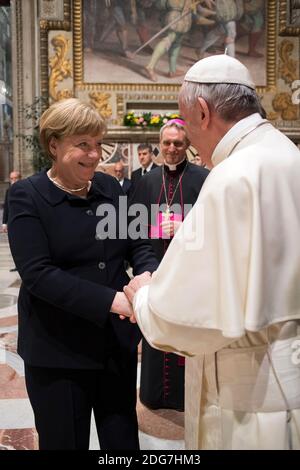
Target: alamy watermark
x,y
137,221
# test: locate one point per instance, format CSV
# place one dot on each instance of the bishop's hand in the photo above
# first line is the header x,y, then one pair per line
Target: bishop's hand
x,y
170,227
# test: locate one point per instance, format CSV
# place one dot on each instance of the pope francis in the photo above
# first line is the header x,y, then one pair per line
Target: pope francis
x,y
227,293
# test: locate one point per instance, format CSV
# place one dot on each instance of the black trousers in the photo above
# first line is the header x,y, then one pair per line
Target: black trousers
x,y
63,399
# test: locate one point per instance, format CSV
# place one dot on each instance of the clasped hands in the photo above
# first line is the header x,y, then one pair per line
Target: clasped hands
x,y
122,303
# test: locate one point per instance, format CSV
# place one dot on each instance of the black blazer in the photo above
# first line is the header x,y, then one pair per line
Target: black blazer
x,y
69,275
126,185
136,175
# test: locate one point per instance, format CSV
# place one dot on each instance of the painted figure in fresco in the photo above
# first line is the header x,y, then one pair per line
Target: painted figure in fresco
x,y
227,13
252,23
120,14
171,42
139,20
91,11
117,21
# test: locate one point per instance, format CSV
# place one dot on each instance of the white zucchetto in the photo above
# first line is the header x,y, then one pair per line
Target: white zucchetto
x,y
220,69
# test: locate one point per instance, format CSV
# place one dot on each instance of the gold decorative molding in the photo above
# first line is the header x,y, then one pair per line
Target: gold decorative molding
x,y
288,70
101,102
271,48
288,66
286,28
272,116
125,87
61,68
45,27
77,46
120,109
44,24
282,104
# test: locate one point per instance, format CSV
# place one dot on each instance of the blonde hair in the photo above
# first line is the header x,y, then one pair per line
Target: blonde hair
x,y
69,117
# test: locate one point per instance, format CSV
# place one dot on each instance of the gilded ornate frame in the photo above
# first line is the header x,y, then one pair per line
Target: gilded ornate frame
x,y
163,88
286,28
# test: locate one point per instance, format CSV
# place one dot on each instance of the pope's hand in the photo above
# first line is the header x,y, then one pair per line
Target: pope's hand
x,y
121,306
170,227
136,283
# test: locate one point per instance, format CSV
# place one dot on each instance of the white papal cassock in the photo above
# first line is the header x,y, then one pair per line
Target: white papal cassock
x,y
228,293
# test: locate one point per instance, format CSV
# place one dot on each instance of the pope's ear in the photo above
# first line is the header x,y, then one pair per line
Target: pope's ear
x,y
204,112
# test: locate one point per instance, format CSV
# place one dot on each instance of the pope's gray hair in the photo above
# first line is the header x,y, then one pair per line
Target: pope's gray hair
x,y
230,101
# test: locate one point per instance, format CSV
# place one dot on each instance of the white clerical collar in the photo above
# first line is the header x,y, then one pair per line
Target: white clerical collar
x,y
173,167
234,136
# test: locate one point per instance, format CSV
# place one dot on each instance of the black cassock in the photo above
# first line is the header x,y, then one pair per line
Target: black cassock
x,y
162,374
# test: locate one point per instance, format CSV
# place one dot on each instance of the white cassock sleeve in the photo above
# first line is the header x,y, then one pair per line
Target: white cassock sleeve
x,y
170,337
195,302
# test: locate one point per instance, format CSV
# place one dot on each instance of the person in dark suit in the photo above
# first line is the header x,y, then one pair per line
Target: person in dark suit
x,y
124,182
78,346
145,154
14,176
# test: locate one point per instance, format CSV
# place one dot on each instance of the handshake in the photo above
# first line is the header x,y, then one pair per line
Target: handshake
x,y
122,303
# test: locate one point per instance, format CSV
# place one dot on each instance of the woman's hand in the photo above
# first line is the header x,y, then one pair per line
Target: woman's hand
x,y
121,306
